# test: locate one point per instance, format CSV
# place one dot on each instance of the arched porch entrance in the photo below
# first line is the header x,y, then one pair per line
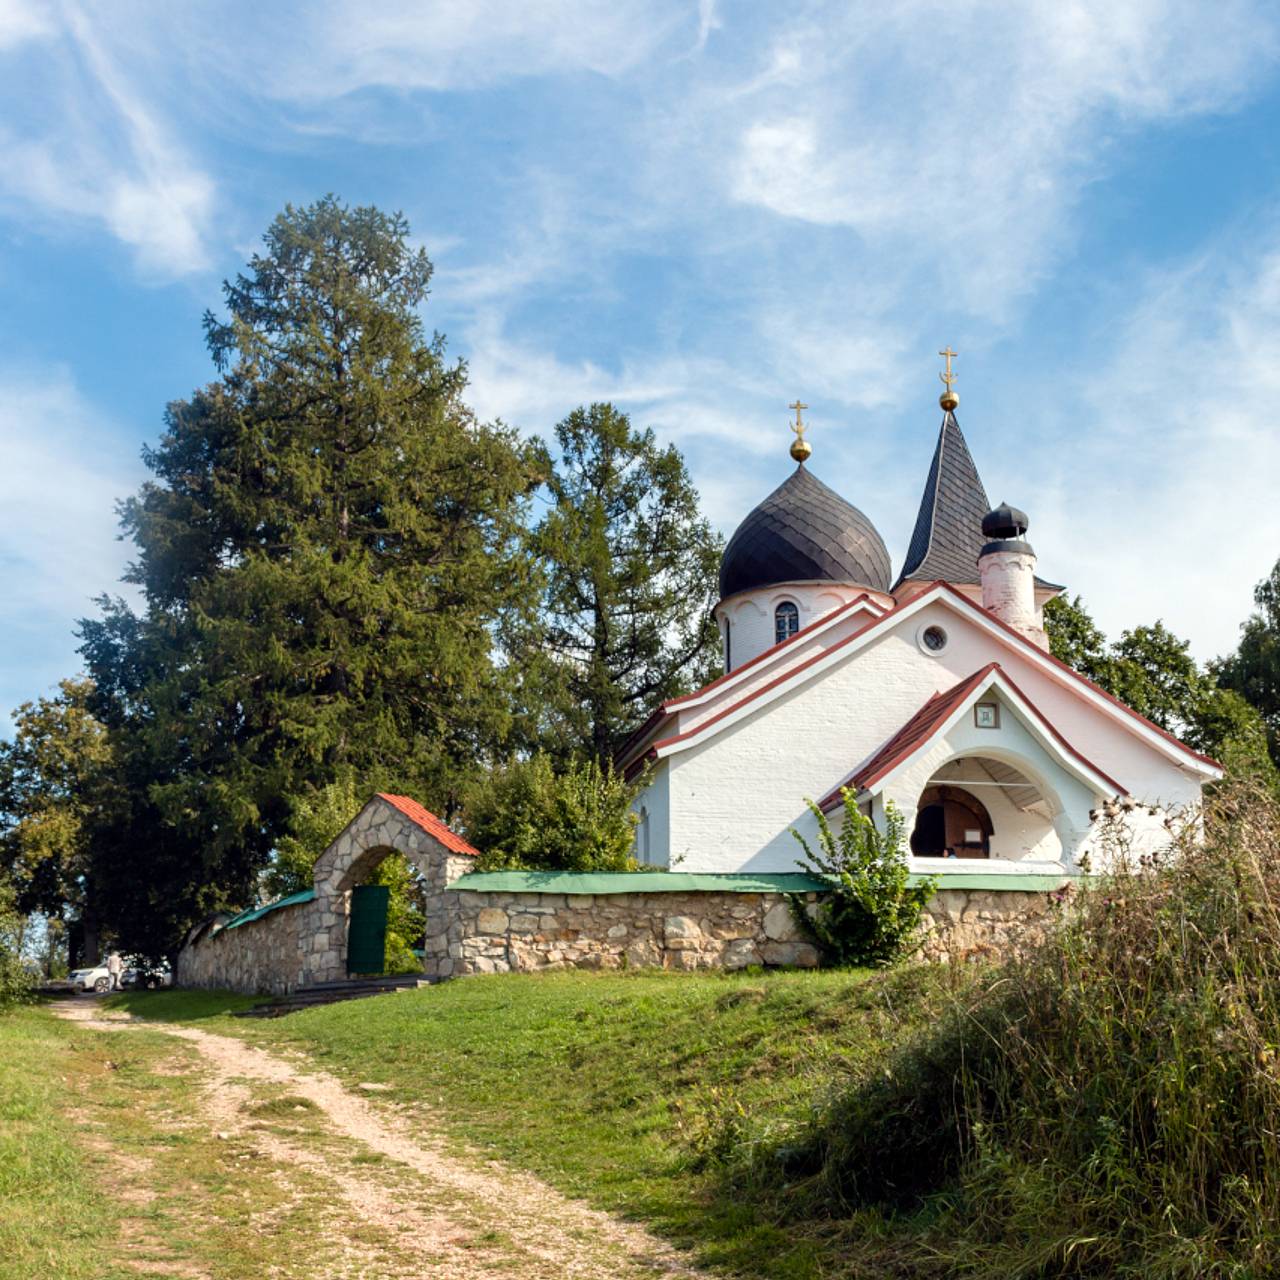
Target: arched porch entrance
x,y
981,806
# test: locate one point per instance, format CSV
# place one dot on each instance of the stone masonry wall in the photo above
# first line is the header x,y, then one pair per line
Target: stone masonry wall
x,y
510,932
263,957
961,924
488,932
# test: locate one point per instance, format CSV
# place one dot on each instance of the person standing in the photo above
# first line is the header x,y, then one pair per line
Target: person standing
x,y
115,967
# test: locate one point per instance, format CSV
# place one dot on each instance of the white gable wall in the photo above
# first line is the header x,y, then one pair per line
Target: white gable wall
x,y
734,797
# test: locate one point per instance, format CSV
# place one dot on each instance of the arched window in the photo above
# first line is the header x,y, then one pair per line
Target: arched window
x,y
728,648
786,621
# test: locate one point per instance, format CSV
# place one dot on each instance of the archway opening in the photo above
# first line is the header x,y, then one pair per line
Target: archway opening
x,y
951,822
986,807
386,920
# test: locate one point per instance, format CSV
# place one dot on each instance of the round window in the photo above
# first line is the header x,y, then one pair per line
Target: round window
x,y
933,639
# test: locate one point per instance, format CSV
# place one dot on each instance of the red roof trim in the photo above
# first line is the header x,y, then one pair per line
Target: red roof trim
x,y
927,722
664,710
937,587
917,730
1071,671
430,824
786,675
773,650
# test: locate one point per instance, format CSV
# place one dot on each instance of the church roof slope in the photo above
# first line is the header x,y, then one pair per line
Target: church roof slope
x,y
917,730
932,718
948,532
804,532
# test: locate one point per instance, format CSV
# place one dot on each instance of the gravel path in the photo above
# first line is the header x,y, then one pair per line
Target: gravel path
x,y
435,1203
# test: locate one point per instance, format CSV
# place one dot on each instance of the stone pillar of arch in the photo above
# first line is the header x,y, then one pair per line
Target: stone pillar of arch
x,y
387,824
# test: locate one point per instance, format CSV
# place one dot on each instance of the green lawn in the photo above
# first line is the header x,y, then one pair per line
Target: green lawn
x,y
642,1092
54,1217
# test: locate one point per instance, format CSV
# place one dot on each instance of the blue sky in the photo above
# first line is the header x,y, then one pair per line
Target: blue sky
x,y
700,210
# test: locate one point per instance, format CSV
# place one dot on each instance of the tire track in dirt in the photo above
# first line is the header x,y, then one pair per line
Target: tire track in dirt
x,y
439,1205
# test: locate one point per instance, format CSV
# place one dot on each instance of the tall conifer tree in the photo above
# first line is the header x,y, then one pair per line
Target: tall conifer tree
x,y
325,549
631,574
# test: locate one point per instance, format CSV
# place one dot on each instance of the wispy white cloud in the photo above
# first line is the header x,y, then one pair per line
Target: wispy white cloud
x,y
956,138
21,21
85,146
58,546
1155,498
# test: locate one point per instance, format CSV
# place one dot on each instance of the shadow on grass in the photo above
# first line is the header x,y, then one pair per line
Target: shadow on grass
x,y
180,1006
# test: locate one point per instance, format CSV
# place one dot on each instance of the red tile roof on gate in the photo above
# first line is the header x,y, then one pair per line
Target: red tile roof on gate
x,y
929,719
430,824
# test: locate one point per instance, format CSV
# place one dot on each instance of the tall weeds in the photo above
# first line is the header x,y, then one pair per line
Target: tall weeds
x,y
1106,1105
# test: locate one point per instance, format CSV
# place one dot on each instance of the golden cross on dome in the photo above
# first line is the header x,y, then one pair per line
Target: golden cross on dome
x,y
800,447
948,377
798,425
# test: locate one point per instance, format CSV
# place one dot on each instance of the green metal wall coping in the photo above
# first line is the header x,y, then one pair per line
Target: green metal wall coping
x,y
256,913
600,883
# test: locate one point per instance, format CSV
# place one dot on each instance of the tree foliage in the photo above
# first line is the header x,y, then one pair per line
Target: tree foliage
x,y
872,911
15,980
1152,670
1253,671
532,816
59,788
631,574
328,540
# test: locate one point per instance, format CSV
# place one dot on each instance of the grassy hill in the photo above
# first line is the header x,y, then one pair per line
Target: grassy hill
x,y
1104,1107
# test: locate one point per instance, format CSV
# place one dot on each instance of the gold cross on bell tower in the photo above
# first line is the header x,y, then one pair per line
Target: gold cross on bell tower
x,y
949,399
800,447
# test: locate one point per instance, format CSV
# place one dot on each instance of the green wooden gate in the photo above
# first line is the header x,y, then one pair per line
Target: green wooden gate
x,y
367,932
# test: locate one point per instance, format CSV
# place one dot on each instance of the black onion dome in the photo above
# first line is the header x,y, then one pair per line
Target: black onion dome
x,y
1005,522
804,532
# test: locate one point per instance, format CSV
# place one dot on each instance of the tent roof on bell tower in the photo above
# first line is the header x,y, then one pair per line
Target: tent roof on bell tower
x,y
948,532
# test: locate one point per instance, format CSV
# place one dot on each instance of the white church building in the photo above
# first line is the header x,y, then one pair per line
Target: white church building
x,y
934,691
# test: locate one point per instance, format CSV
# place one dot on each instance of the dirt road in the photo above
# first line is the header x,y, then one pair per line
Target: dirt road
x,y
398,1202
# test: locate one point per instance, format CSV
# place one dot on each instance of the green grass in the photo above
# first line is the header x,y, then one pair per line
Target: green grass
x,y
1104,1106
53,1217
636,1091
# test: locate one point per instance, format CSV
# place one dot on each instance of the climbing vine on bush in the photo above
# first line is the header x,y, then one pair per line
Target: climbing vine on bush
x,y
872,910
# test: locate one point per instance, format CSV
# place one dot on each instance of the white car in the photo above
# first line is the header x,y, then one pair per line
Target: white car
x,y
96,978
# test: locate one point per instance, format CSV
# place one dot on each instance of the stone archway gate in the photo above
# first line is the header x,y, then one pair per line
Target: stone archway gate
x,y
387,824
302,939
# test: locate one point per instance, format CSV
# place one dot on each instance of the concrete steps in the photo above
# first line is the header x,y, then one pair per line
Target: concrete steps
x,y
332,992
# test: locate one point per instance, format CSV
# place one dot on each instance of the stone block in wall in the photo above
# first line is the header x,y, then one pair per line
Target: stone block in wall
x,y
803,955
780,923
492,920
740,953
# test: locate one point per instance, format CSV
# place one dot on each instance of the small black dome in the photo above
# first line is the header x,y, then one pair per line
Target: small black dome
x,y
804,532
1005,522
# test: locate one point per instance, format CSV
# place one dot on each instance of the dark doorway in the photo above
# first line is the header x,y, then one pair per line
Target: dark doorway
x,y
929,839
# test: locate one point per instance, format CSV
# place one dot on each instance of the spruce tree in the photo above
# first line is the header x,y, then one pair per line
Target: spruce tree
x,y
631,574
325,549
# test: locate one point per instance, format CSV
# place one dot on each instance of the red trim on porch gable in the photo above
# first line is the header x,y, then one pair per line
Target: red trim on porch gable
x,y
926,722
1071,671
430,824
914,733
